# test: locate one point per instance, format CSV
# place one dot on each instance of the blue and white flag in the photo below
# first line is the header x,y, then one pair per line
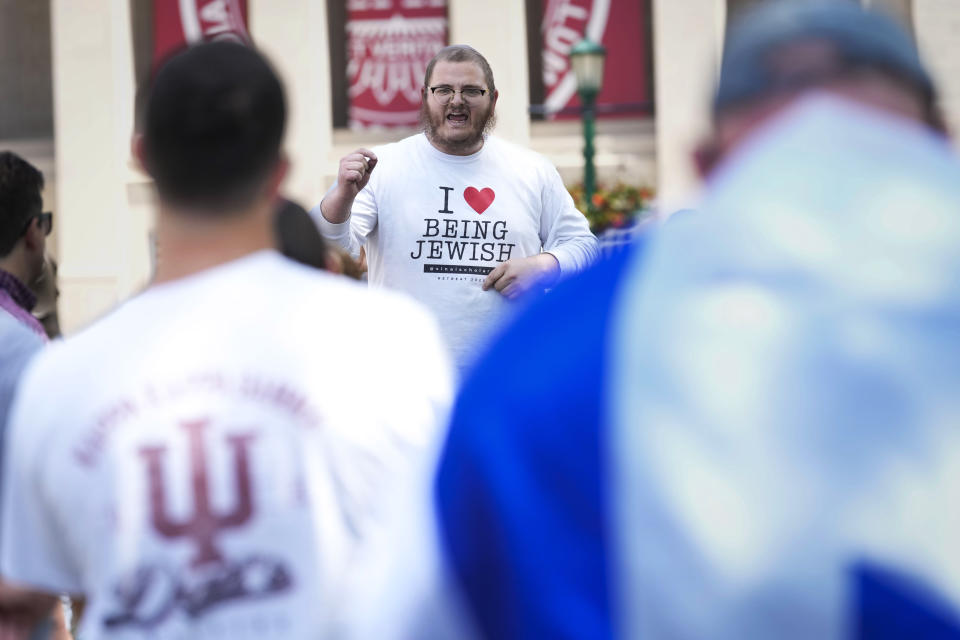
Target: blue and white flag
x,y
748,428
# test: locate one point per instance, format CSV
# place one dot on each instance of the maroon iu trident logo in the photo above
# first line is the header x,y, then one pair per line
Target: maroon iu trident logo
x,y
204,525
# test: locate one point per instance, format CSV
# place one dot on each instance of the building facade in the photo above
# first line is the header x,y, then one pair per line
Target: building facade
x,y
69,72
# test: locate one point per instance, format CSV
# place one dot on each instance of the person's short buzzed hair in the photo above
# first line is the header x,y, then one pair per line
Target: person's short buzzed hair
x,y
212,127
21,187
462,53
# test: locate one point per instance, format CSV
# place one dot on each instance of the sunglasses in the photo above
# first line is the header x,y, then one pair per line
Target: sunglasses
x,y
46,222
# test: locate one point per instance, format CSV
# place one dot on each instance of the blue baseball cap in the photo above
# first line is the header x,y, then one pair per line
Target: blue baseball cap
x,y
860,37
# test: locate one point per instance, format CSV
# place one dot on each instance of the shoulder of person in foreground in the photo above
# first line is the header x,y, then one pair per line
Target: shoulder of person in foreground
x,y
382,315
320,314
520,488
388,345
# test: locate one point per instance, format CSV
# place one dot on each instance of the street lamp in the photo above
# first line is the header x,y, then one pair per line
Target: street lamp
x,y
587,60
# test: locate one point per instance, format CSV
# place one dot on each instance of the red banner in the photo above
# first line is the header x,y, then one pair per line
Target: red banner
x,y
620,25
389,43
179,22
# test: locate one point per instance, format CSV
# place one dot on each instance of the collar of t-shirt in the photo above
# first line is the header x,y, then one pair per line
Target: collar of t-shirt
x,y
447,157
17,300
17,290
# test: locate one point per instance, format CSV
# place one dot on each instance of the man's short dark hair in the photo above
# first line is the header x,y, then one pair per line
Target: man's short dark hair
x,y
462,53
21,187
213,126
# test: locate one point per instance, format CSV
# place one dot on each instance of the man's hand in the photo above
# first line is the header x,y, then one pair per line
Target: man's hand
x,y
515,277
352,176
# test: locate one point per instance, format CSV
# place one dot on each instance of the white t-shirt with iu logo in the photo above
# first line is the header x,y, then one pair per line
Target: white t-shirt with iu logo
x,y
203,462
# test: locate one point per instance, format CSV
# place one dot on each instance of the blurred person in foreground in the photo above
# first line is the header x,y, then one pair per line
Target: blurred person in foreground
x,y
196,478
456,217
756,430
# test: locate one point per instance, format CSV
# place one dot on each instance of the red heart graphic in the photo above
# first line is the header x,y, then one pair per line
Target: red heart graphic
x,y
479,200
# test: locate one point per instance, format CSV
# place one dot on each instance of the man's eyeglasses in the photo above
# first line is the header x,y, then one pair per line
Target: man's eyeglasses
x,y
46,222
444,94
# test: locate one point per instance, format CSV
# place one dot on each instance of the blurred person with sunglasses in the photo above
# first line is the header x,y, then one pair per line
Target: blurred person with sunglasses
x,y
454,216
24,228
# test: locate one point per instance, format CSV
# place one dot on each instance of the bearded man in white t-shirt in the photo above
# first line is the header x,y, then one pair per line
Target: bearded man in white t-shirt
x,y
199,474
456,217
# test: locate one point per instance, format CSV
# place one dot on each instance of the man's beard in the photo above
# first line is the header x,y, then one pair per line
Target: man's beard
x,y
431,126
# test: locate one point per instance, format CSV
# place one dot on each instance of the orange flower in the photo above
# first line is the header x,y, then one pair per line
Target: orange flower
x,y
616,206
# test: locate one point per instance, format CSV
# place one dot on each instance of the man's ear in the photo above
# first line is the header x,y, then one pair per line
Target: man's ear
x,y
706,157
137,151
936,121
496,94
279,174
34,237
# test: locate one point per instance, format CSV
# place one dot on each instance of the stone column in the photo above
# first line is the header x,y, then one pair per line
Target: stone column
x,y
936,25
688,38
293,33
497,29
103,203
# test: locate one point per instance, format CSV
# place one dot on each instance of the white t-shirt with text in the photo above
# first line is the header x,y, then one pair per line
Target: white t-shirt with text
x,y
435,225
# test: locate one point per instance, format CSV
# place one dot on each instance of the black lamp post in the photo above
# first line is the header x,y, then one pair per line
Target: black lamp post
x,y
587,59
